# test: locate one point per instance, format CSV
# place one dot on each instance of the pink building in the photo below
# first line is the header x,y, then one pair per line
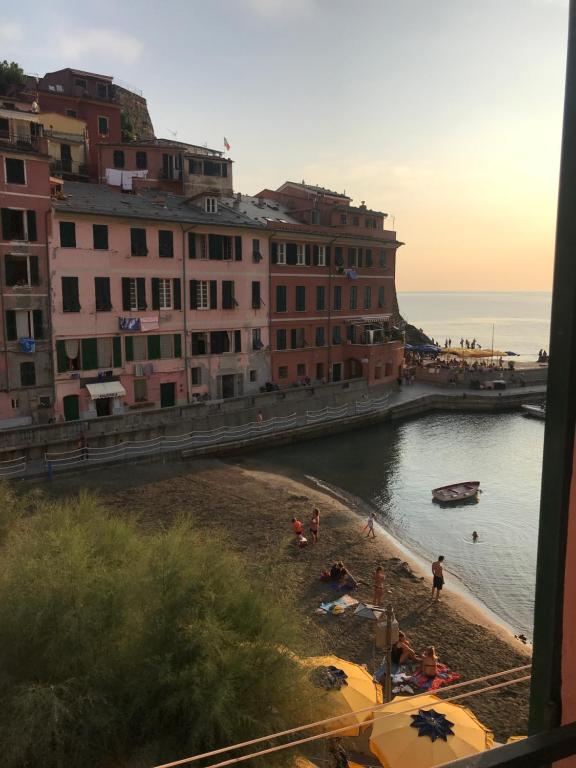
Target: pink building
x,y
25,358
157,301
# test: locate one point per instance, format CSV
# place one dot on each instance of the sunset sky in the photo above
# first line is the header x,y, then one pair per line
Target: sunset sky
x,y
444,113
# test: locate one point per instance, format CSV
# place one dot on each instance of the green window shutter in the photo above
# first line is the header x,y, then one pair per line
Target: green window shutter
x,y
117,351
61,357
153,347
129,348
177,345
89,354
11,331
191,245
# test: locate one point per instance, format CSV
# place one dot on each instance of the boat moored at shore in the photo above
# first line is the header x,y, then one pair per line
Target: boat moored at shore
x,y
456,491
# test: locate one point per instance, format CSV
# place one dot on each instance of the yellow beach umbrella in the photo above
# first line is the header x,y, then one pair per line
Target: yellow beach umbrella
x,y
435,732
359,692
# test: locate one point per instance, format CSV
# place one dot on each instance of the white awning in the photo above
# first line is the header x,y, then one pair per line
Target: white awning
x,y
14,114
105,389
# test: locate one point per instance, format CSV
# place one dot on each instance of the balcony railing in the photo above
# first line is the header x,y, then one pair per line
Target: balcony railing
x,y
535,752
23,141
60,167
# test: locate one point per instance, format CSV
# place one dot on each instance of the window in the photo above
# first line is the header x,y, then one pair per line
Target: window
x,y
256,298
202,294
18,224
71,113
70,294
256,339
382,260
195,167
352,257
343,218
100,237
281,292
315,217
319,371
381,297
138,242
165,293
253,375
337,297
21,270
320,297
321,256
24,324
377,371
103,126
140,390
219,342
300,305
199,343
300,255
338,256
281,251
301,369
27,375
367,297
336,334
67,234
297,338
368,254
214,169
228,300
196,373
353,297
356,221
15,171
280,338
166,243
256,255
118,158
133,294
102,292
80,82
141,160
283,372
211,205
320,336
102,90
220,247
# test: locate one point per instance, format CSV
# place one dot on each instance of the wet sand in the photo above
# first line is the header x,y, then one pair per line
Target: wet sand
x,y
252,510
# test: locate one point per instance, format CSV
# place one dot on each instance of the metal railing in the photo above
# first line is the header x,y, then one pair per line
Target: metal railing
x,y
13,467
69,166
130,449
22,140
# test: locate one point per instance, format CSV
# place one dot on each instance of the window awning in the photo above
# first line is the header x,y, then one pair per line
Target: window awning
x,y
14,114
364,320
105,389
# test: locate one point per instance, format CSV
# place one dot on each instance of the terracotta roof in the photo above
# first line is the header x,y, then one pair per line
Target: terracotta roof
x,y
314,188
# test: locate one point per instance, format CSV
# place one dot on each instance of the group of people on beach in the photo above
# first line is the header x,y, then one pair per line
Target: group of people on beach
x,y
314,528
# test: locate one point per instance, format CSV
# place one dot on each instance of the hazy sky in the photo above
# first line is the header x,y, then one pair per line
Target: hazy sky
x,y
444,113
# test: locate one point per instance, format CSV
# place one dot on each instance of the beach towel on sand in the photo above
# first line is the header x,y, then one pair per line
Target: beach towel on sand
x,y
444,677
343,602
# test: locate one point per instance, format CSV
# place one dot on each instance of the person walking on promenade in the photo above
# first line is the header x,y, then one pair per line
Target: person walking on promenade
x,y
259,417
370,526
462,342
378,598
315,525
437,577
450,343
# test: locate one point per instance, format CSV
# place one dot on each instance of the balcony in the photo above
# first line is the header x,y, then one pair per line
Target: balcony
x,y
24,142
68,167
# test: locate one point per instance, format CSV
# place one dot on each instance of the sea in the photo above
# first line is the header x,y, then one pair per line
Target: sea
x,y
392,466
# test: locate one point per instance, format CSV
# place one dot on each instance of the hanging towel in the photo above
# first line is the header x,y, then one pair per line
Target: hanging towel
x,y
113,177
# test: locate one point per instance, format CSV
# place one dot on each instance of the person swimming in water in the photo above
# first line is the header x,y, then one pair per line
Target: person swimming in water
x,y
474,536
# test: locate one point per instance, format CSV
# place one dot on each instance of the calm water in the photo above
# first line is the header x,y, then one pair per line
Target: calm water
x,y
394,466
521,320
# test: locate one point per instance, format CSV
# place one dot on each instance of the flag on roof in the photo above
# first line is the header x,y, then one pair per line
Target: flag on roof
x,y
226,144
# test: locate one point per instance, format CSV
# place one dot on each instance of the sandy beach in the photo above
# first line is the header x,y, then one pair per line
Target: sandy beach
x,y
252,509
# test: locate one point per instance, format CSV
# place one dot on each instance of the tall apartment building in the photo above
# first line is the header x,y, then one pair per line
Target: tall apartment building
x,y
332,287
157,301
25,357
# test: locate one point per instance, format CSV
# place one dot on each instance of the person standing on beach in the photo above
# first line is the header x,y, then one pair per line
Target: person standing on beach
x,y
437,577
370,526
315,525
378,598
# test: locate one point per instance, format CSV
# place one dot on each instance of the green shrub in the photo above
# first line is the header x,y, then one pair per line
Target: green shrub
x,y
123,648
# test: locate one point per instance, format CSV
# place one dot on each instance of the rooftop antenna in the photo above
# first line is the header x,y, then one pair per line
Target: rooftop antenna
x,y
174,133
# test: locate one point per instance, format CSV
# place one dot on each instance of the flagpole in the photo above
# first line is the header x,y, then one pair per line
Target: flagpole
x,y
492,350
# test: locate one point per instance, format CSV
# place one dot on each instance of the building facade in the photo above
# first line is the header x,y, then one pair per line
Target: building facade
x,y
26,389
156,301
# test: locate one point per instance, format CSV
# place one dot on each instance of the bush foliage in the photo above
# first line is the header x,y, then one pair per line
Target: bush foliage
x,y
123,648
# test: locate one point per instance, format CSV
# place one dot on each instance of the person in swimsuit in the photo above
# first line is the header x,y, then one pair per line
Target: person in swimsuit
x,y
429,663
297,526
370,526
315,525
474,536
378,598
437,577
401,651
